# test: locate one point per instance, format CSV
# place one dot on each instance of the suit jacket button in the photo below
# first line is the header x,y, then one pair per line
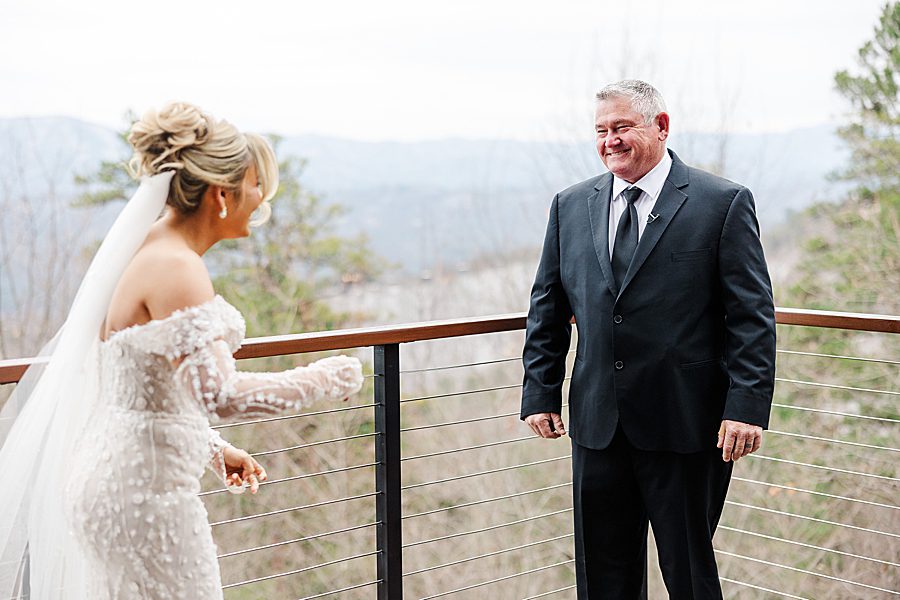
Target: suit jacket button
x,y
617,319
620,365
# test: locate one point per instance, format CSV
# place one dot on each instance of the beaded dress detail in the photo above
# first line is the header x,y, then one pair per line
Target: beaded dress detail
x,y
132,493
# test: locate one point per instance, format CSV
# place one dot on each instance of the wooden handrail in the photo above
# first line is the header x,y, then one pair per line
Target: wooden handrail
x,y
838,320
11,370
373,336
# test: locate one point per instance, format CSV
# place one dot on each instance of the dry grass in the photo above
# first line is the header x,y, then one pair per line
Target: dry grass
x,y
770,494
454,437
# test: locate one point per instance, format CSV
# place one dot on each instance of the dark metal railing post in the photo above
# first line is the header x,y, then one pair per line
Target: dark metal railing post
x,y
387,471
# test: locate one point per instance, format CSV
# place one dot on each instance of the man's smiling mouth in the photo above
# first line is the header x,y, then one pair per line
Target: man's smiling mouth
x,y
617,153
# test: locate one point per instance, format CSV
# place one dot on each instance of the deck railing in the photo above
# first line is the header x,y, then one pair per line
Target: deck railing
x,y
427,485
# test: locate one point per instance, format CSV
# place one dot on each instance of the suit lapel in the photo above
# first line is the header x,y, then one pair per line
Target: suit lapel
x,y
598,209
672,196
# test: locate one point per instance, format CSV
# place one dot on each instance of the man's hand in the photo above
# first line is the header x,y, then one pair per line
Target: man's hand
x,y
738,439
546,425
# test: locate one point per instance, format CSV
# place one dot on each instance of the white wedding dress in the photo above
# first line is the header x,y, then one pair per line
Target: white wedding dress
x,y
132,491
107,440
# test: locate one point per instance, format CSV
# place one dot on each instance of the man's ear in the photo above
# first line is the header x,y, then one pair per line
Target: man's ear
x,y
662,122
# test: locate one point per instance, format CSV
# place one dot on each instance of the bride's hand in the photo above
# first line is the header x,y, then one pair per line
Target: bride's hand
x,y
242,470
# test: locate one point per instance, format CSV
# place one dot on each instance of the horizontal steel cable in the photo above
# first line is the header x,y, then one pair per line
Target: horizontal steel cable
x,y
297,477
286,510
815,519
827,495
833,441
486,500
488,472
837,387
318,473
346,589
499,579
489,554
473,364
456,450
836,412
460,422
763,589
303,570
812,546
483,529
551,592
469,392
297,540
824,468
458,366
297,416
864,359
319,443
462,393
804,571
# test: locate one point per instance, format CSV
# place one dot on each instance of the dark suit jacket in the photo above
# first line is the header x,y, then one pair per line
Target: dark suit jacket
x,y
689,340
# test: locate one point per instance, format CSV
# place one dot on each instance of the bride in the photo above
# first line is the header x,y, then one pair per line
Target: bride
x,y
103,460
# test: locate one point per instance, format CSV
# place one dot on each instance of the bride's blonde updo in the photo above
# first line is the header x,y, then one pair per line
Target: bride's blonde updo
x,y
202,151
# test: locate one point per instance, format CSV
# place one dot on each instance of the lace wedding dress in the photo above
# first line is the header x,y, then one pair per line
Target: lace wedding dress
x,y
132,490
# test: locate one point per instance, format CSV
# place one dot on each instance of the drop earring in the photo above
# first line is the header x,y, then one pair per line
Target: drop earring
x,y
223,213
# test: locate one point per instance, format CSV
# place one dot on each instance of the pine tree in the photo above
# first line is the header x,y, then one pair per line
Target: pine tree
x,y
853,261
279,277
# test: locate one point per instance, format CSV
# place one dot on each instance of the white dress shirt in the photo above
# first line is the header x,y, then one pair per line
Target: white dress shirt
x,y
650,184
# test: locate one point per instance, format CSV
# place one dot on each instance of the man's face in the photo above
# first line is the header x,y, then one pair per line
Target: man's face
x,y
627,146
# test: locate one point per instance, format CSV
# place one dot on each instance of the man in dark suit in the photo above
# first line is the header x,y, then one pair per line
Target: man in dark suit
x,y
662,268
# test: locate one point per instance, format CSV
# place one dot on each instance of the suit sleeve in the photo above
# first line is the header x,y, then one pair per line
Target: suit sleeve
x,y
749,315
548,330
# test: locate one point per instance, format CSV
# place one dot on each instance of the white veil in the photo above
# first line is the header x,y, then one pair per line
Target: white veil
x,y
41,421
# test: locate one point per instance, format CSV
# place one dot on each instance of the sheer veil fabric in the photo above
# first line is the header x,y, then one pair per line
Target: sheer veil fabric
x,y
41,421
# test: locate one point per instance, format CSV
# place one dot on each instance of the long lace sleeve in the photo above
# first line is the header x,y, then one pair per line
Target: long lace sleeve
x,y
216,453
209,375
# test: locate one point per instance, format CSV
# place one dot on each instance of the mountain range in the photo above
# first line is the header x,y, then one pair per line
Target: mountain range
x,y
438,203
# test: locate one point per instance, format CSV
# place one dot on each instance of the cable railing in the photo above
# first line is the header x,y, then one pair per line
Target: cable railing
x,y
431,489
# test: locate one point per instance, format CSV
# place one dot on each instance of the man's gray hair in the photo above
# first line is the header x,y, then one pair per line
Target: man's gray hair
x,y
644,98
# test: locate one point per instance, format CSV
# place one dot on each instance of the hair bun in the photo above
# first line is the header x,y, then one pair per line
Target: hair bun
x,y
160,137
202,150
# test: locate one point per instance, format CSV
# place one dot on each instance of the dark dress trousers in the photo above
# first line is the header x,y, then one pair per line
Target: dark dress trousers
x,y
687,341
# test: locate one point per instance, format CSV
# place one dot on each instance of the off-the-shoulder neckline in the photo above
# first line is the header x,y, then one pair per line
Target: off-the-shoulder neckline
x,y
171,317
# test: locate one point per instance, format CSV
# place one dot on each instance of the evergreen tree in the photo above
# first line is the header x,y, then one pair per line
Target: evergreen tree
x,y
872,135
853,260
280,276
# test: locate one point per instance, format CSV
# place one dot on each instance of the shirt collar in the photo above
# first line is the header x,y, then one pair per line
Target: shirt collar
x,y
651,183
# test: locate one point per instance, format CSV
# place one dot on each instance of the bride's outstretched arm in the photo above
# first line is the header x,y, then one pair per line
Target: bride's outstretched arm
x,y
210,376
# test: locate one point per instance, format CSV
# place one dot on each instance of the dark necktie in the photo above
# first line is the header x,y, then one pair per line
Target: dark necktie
x,y
626,237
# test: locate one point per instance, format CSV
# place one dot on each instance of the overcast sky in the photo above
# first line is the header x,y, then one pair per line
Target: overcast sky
x,y
418,69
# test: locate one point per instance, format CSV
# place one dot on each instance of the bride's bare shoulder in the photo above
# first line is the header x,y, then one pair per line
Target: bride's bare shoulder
x,y
172,277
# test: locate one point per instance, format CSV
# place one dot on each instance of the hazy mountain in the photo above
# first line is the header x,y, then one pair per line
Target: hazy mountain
x,y
438,202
